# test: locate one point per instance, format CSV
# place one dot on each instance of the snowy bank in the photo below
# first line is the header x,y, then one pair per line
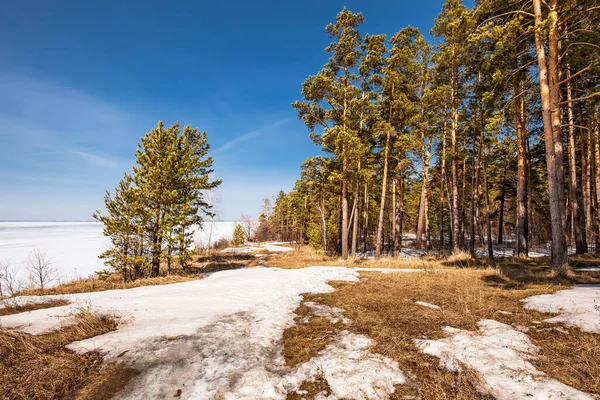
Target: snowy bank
x,y
500,356
578,307
221,337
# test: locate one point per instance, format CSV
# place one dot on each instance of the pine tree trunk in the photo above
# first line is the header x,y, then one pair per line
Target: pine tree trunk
x,y
454,132
586,187
586,155
580,242
344,237
488,222
463,218
383,193
549,93
355,222
366,218
393,218
521,200
596,146
442,188
501,216
475,186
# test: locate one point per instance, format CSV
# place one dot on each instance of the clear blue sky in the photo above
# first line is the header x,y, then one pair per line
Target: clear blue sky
x,y
82,81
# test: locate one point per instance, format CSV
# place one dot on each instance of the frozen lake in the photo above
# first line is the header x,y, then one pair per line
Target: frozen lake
x,y
74,247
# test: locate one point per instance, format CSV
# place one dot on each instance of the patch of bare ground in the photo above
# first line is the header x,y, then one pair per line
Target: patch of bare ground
x,y
383,307
41,367
15,308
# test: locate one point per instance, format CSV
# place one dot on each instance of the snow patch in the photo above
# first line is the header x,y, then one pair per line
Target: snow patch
x,y
351,370
424,304
500,356
332,314
578,307
271,247
221,337
587,269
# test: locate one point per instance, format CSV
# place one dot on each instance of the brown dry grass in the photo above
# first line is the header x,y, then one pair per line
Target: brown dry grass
x,y
41,367
114,282
11,308
383,307
307,256
223,261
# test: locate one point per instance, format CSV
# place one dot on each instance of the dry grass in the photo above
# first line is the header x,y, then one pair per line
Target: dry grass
x,y
223,261
383,307
12,308
41,367
112,283
309,335
307,256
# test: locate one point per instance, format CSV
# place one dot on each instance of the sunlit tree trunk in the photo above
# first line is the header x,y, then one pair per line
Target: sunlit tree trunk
x,y
549,93
383,195
521,200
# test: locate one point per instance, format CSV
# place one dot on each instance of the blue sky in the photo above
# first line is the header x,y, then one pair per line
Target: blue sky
x,y
82,81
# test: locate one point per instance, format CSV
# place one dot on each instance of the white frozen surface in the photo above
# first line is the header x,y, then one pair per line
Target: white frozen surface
x,y
578,307
404,253
74,247
351,370
221,337
588,269
429,305
500,356
332,314
272,247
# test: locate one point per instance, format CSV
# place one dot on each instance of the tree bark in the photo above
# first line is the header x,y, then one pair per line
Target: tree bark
x,y
579,233
454,132
549,93
355,223
501,216
596,145
521,201
366,218
487,206
383,193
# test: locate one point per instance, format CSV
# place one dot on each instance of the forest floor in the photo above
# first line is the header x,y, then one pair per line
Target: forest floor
x,y
421,327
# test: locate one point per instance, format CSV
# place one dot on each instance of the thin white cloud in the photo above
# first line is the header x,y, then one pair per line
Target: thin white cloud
x,y
249,135
96,159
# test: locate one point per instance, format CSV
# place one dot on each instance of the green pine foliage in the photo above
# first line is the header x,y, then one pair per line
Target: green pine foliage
x,y
155,209
239,237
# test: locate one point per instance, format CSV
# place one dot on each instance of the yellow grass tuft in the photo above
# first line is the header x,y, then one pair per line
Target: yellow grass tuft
x,y
41,367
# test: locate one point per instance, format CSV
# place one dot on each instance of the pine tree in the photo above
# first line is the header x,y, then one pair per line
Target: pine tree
x,y
151,217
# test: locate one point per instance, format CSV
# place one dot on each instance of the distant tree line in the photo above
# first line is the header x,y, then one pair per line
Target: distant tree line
x,y
491,134
152,214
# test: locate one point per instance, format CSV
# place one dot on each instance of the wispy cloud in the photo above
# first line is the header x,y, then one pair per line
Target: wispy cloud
x,y
249,135
96,159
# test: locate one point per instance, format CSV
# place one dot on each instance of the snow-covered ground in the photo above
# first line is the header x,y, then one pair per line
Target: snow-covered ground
x,y
577,307
271,247
501,356
221,337
74,247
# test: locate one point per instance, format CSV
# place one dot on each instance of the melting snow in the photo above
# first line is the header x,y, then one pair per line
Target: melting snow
x,y
221,337
351,370
500,356
578,307
272,247
332,314
424,304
